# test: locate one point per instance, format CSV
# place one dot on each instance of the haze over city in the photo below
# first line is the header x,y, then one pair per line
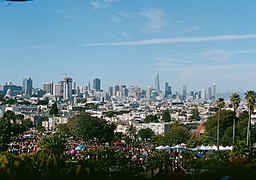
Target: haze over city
x,y
192,43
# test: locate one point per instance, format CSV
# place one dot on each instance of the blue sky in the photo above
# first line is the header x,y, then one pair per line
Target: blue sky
x,y
189,42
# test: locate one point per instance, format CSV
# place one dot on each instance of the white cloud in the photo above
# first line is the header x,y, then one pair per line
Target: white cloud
x,y
115,19
43,46
126,36
245,51
155,20
102,4
179,22
69,14
110,1
192,29
216,54
178,40
95,5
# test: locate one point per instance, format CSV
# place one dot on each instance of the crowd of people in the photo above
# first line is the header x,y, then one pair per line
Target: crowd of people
x,y
78,150
25,143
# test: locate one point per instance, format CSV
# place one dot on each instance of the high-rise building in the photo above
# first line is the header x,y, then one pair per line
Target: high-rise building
x,y
157,86
184,92
96,84
48,87
27,86
213,91
203,94
199,94
167,89
110,91
116,89
67,88
123,90
209,93
148,92
192,94
89,87
56,89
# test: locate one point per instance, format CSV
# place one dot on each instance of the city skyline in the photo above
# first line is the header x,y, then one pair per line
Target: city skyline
x,y
156,84
192,43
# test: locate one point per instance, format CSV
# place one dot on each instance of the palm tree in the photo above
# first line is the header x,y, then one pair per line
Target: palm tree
x,y
131,130
220,103
51,150
235,100
250,97
159,159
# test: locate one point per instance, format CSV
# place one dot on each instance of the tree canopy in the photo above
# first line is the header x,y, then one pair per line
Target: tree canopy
x,y
145,133
166,117
151,118
195,115
91,128
54,110
176,134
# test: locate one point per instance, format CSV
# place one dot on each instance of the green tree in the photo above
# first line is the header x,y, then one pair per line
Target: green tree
x,y
131,131
224,127
64,129
90,106
54,111
151,118
91,128
235,100
1,97
193,141
41,128
10,101
240,151
50,155
159,159
195,115
27,123
5,132
220,103
25,166
146,133
250,97
52,146
176,135
158,140
10,115
43,102
166,117
17,129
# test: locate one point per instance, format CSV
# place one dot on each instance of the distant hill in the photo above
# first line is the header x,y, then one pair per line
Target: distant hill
x,y
227,95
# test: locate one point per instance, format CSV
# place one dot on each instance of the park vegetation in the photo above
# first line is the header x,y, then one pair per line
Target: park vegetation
x,y
50,162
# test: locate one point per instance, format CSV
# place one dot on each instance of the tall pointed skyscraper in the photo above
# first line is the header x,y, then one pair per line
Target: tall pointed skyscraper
x,y
157,86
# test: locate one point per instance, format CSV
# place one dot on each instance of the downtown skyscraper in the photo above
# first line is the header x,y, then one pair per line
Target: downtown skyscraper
x,y
96,84
67,89
157,84
27,86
